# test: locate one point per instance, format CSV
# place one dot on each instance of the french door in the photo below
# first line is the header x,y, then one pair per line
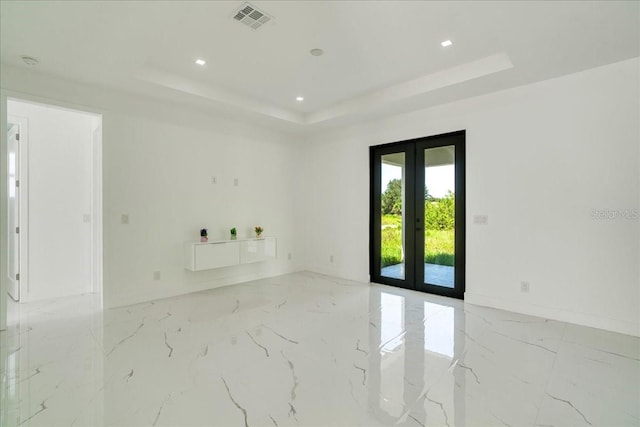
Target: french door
x,y
417,214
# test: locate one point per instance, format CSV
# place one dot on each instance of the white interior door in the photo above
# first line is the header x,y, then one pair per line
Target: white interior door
x,y
13,167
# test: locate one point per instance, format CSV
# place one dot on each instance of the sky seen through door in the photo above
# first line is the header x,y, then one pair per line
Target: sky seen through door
x,y
439,179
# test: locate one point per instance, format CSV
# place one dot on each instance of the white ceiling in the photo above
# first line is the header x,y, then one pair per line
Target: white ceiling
x,y
381,57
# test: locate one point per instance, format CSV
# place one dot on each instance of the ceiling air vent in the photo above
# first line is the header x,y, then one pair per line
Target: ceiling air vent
x,y
251,16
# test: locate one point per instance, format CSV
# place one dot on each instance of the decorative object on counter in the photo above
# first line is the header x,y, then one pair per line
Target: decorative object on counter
x,y
258,231
204,237
234,234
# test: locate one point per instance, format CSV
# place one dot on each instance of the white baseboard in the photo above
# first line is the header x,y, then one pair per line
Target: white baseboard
x,y
583,319
336,271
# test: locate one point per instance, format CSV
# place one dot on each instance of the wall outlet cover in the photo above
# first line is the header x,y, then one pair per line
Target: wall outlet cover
x,y
481,219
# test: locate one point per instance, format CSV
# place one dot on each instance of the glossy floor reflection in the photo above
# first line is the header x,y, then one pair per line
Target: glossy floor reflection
x,y
306,349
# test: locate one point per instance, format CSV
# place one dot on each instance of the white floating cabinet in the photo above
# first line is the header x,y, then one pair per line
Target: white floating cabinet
x,y
215,255
256,250
224,253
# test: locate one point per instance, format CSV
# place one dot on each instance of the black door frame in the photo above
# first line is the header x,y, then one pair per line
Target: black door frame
x,y
414,212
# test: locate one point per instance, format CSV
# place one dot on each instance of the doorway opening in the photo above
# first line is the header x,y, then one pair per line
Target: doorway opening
x,y
54,208
417,214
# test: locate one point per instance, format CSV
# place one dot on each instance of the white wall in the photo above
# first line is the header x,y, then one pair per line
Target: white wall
x,y
160,175
59,181
539,159
158,159
4,247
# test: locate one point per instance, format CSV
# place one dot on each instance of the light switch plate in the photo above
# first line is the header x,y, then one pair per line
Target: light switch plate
x,y
481,219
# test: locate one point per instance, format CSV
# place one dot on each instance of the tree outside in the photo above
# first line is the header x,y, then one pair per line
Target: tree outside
x,y
392,198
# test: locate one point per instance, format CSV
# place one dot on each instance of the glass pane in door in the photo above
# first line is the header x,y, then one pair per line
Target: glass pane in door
x,y
439,216
392,199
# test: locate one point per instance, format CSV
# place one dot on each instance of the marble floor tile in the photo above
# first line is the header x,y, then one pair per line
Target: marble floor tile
x,y
309,350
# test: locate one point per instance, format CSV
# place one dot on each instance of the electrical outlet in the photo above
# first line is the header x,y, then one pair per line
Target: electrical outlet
x,y
330,258
481,219
86,218
236,182
214,180
156,275
124,219
289,256
524,287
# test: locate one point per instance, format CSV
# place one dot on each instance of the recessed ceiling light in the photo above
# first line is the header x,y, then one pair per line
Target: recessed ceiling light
x,y
446,43
200,61
299,98
316,52
29,60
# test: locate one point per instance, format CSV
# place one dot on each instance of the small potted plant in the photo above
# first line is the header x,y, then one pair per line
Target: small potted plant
x,y
204,237
234,234
258,231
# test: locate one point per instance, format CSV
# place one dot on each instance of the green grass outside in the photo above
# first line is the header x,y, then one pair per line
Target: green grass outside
x,y
439,245
395,220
